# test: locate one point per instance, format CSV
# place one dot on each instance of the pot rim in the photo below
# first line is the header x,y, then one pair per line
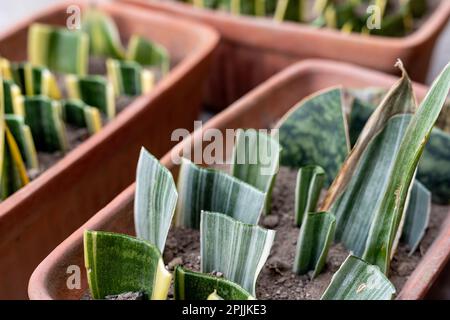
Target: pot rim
x,y
417,284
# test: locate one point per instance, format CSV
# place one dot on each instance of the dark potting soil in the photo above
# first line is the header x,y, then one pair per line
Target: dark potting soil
x,y
276,280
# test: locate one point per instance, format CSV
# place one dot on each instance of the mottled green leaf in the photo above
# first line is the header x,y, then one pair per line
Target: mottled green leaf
x,y
79,114
417,216
22,135
129,78
255,161
148,53
310,181
314,240
358,280
314,132
236,249
12,98
117,263
189,285
154,201
211,190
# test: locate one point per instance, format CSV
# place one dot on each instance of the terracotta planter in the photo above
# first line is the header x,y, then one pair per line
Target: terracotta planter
x,y
253,49
259,109
37,218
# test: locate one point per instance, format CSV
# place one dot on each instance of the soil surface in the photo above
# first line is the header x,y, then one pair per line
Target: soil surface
x,y
276,280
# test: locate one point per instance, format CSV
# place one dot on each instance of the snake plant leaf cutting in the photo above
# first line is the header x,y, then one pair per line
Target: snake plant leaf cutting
x,y
315,238
79,114
155,200
104,38
236,249
368,167
148,53
24,139
288,10
12,98
94,90
5,69
59,49
44,117
129,77
212,190
310,181
358,280
417,216
255,160
314,132
389,214
35,80
190,285
117,263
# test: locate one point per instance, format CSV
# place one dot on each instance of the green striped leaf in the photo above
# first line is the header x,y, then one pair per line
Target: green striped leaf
x,y
358,280
59,49
22,135
314,132
310,181
5,69
12,98
351,198
129,78
155,200
95,91
189,285
290,10
148,53
417,216
385,228
236,249
211,190
104,38
35,80
44,117
314,240
117,263
255,160
79,114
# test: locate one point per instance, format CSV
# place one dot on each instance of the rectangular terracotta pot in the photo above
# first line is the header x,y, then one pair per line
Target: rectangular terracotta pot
x,y
34,220
253,49
261,108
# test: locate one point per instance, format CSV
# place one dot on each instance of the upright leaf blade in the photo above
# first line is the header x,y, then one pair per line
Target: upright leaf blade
x,y
189,285
148,53
255,160
118,263
388,217
417,216
314,240
315,133
358,280
309,184
236,249
211,190
155,200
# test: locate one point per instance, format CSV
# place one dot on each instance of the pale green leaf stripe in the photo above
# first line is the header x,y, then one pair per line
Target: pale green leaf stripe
x,y
358,280
255,160
154,201
310,181
315,237
211,190
389,214
236,249
351,198
314,132
117,263
417,216
190,285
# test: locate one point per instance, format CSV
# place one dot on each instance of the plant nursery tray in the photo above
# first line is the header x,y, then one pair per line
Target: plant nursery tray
x,y
34,220
253,49
259,109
